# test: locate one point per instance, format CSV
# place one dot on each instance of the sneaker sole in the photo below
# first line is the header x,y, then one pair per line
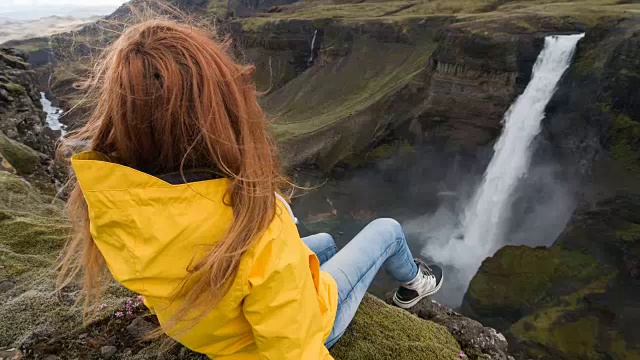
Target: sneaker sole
x,y
409,304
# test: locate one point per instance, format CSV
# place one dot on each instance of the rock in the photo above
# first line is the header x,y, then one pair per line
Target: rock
x,y
21,157
476,340
379,331
108,351
10,354
37,168
139,328
6,285
21,114
499,295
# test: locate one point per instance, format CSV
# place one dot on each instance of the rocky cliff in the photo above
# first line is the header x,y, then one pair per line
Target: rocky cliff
x,y
26,144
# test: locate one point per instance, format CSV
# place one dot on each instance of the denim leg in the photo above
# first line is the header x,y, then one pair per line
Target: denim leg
x,y
322,245
380,244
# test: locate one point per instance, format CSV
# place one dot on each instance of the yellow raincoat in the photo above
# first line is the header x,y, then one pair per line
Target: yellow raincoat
x,y
280,305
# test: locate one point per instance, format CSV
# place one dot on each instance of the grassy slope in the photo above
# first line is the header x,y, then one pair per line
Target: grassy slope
x,y
327,94
589,11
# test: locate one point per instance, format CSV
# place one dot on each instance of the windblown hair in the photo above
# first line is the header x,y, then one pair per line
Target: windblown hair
x,y
167,98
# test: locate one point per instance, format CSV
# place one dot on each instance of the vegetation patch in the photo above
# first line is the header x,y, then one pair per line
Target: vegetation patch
x,y
323,95
520,279
23,158
625,142
13,88
382,332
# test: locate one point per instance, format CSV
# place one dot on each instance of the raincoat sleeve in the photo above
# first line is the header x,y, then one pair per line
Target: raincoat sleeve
x,y
282,306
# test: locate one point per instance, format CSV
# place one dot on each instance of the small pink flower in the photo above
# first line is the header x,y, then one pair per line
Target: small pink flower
x,y
118,314
462,355
2,267
140,298
102,306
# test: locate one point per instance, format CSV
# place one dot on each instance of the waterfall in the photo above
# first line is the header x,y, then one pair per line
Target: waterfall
x,y
53,114
486,217
313,45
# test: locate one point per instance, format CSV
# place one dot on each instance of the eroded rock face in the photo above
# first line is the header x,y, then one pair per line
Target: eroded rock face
x,y
483,72
592,119
26,144
21,115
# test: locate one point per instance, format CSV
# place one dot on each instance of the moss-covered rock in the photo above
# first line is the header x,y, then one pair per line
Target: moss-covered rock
x,y
382,332
21,157
519,279
625,143
574,300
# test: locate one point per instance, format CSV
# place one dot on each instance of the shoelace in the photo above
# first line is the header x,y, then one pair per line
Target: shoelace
x,y
424,266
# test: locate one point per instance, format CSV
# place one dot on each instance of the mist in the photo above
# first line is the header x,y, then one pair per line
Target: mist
x,y
542,206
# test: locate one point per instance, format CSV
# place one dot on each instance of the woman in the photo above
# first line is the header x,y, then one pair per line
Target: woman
x,y
177,199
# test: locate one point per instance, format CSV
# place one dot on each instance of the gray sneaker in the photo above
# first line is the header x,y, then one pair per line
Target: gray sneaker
x,y
427,283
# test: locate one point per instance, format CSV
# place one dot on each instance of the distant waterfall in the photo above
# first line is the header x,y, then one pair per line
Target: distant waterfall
x,y
313,45
53,114
487,215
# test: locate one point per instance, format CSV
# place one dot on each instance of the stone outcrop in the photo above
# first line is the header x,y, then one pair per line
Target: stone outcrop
x,y
21,115
26,144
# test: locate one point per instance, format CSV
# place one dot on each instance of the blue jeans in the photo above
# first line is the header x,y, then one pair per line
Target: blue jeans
x,y
380,244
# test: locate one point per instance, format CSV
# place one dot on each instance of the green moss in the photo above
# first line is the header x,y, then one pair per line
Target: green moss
x,y
379,331
387,150
255,24
625,142
34,235
620,349
21,157
32,45
554,329
14,89
517,278
573,339
32,227
630,234
218,8
380,152
589,12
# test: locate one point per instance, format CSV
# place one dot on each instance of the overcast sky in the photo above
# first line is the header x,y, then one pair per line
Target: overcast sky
x,y
9,4
22,9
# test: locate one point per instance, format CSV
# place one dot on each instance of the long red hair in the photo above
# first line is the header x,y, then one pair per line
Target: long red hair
x,y
168,97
